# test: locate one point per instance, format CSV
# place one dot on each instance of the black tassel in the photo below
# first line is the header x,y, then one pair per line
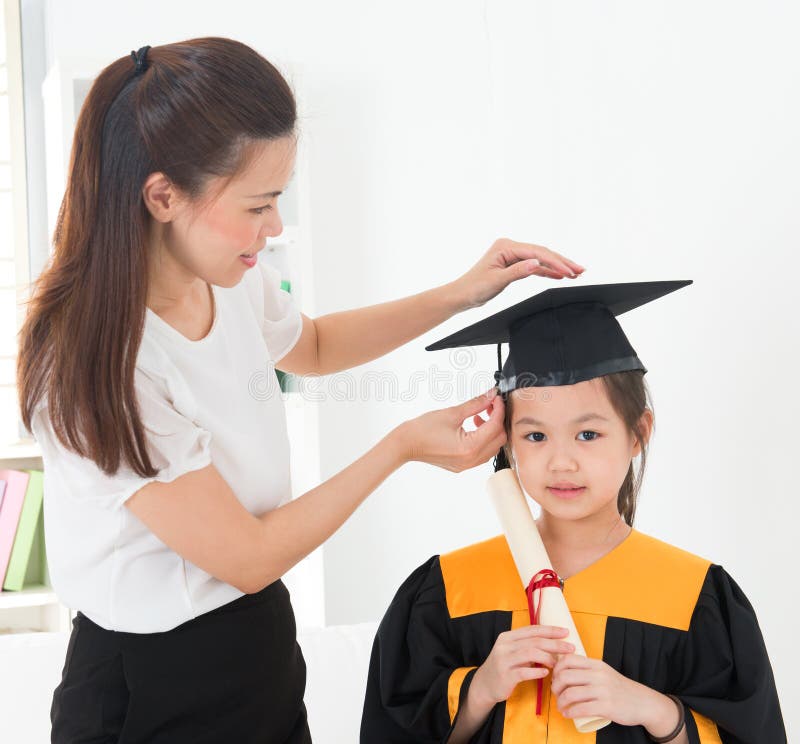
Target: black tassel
x,y
500,460
498,375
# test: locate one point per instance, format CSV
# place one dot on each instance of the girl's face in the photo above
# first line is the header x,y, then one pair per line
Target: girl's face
x,y
569,435
209,238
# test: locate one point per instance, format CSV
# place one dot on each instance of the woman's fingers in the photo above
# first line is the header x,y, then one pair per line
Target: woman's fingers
x,y
575,266
557,261
496,413
439,437
477,404
557,265
551,260
491,433
514,250
548,273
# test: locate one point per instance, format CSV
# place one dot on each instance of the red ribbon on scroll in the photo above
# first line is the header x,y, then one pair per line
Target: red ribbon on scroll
x,y
542,580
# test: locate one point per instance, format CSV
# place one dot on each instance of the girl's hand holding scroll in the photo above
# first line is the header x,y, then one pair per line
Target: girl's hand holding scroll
x,y
586,687
512,660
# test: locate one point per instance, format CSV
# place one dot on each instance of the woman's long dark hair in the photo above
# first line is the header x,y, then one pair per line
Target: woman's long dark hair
x,y
196,112
629,397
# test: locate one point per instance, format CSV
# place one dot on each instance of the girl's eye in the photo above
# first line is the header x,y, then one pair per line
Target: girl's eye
x,y
536,434
260,210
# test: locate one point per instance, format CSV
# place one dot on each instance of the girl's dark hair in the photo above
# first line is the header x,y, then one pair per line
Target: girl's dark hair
x,y
197,111
629,397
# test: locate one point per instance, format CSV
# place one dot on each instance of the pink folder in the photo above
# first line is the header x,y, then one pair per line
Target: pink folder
x,y
13,498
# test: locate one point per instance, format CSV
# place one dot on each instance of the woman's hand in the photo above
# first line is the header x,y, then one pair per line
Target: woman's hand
x,y
589,687
505,262
439,438
512,657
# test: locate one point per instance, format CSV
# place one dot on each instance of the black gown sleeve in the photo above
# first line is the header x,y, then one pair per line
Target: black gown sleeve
x,y
414,653
726,674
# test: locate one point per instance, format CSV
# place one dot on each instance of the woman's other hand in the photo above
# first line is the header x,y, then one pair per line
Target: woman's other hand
x,y
439,438
505,262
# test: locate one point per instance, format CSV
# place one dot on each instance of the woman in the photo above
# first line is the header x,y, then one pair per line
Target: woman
x,y
136,361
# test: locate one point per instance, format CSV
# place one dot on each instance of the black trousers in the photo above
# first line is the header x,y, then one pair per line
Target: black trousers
x,y
233,675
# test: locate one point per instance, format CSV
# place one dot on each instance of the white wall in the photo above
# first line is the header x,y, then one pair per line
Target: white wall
x,y
645,140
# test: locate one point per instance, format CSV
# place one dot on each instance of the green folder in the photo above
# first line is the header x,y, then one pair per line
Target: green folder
x,y
26,531
285,381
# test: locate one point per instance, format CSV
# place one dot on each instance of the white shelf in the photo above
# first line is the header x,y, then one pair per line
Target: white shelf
x,y
30,596
31,638
33,610
27,449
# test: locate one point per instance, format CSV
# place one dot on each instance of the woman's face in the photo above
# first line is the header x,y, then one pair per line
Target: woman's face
x,y
570,435
209,237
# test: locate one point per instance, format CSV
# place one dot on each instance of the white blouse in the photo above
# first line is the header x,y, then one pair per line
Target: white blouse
x,y
213,400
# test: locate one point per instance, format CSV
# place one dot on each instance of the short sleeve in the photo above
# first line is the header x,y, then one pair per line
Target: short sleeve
x,y
281,320
176,445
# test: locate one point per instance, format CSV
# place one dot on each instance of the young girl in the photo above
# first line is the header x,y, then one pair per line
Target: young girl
x,y
674,651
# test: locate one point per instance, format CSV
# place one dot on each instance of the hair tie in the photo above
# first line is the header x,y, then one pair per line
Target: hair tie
x,y
140,58
679,727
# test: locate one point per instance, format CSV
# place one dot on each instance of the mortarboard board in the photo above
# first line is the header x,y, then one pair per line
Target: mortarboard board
x,y
563,335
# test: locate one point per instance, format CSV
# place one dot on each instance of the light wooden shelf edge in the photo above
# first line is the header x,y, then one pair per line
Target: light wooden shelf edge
x,y
30,596
29,638
26,449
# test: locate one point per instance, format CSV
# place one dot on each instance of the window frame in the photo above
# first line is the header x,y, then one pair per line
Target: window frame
x,y
20,252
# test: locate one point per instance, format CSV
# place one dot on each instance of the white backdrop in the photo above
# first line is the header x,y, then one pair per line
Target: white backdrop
x,y
647,141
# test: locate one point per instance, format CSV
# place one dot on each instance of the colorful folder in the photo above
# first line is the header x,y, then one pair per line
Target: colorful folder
x,y
13,500
26,532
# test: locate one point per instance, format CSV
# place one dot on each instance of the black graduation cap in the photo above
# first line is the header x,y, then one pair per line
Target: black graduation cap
x,y
563,335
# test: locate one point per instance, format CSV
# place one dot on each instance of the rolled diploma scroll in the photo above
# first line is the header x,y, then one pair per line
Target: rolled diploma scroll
x,y
530,558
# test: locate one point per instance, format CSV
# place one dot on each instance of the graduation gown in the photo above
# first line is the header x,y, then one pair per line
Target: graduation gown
x,y
657,614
